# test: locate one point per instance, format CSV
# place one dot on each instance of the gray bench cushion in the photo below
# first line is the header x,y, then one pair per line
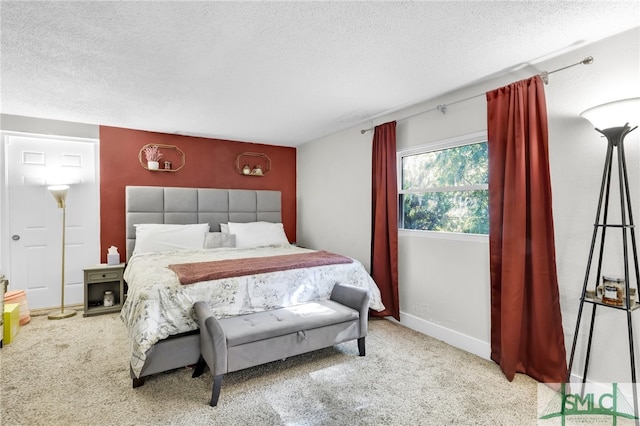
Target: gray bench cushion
x,y
278,322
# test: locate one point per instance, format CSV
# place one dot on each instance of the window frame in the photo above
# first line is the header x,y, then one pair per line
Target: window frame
x,y
454,142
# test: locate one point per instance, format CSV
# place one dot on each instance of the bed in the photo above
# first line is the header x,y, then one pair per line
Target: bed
x,y
158,310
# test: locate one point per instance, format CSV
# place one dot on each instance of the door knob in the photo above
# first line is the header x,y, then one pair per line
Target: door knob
x,y
15,237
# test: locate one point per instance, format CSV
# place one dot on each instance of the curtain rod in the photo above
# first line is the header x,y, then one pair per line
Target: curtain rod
x,y
443,107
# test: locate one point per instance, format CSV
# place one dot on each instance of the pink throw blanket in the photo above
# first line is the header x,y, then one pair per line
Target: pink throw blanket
x,y
189,273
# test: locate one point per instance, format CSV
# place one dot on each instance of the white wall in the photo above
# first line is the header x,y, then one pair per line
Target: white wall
x,y
335,204
334,186
18,123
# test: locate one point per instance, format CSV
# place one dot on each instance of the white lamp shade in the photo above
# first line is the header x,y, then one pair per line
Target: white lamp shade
x,y
614,114
59,192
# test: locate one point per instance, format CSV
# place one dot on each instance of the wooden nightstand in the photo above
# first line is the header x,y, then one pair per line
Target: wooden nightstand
x,y
97,280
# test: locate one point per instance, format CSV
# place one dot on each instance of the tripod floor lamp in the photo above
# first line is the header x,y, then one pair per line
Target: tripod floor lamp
x,y
59,192
614,292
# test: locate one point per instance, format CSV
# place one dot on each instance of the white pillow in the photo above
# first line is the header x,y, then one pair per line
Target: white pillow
x,y
219,239
256,234
154,237
224,228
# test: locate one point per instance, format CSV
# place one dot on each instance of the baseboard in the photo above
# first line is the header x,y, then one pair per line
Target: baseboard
x,y
451,337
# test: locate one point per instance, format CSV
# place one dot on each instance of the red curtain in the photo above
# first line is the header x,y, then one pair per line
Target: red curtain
x,y
384,218
526,323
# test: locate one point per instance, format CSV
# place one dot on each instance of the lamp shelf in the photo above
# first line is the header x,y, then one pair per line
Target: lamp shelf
x,y
177,153
598,301
260,162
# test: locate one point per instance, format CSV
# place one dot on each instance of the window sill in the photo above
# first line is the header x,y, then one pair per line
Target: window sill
x,y
451,236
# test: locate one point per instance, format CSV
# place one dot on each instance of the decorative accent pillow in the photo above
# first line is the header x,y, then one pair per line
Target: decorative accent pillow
x,y
155,237
256,234
219,239
224,228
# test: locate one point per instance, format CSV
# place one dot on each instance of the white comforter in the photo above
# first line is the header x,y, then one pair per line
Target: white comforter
x,y
158,306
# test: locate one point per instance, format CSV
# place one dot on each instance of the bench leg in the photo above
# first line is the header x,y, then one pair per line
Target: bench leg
x,y
199,368
215,393
361,346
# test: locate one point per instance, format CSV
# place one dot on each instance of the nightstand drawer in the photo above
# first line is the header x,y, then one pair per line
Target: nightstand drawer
x,y
102,276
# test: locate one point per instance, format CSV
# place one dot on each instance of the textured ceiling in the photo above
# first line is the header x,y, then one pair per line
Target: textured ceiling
x,y
281,73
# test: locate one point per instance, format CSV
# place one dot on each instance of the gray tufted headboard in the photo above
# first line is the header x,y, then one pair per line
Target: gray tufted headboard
x,y
157,204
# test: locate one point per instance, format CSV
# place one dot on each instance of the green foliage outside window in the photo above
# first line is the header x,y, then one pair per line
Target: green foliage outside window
x,y
446,190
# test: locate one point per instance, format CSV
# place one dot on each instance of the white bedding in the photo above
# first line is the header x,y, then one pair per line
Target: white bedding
x,y
158,306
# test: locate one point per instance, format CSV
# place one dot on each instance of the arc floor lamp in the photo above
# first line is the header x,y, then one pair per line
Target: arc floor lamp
x,y
59,192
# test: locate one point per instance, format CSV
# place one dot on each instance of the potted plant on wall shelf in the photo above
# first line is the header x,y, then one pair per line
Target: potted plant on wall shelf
x,y
153,155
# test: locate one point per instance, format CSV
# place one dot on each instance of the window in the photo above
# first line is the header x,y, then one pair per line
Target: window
x,y
444,187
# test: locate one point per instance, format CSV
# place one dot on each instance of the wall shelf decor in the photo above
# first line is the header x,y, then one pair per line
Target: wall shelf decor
x,y
253,164
171,153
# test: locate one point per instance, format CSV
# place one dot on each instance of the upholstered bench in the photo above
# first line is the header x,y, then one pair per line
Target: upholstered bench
x,y
244,341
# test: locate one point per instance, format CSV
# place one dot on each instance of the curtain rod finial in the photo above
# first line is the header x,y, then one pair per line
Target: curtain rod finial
x,y
588,60
545,77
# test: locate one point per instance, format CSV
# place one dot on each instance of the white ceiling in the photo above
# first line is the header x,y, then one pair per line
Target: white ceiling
x,y
280,73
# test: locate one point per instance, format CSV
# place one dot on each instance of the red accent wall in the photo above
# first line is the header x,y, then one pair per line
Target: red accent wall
x,y
210,163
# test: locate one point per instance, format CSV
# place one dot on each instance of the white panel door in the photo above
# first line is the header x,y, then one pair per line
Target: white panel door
x,y
35,221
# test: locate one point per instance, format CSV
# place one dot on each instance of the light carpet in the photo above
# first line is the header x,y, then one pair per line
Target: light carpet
x,y
75,371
